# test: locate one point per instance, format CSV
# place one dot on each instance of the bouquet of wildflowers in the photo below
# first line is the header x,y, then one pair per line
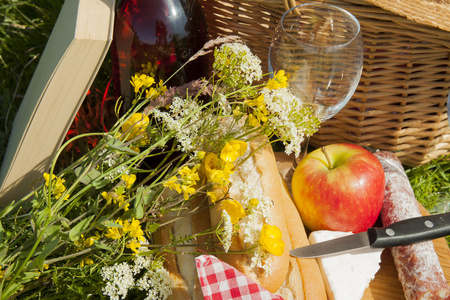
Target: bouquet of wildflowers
x,y
88,231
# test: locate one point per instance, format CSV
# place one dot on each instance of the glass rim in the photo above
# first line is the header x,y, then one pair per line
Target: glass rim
x,y
334,7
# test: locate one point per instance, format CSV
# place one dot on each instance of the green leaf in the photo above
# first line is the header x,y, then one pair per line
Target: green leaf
x,y
75,232
152,227
89,177
98,184
7,209
3,253
120,146
149,196
14,288
138,206
51,232
102,246
48,248
111,224
139,211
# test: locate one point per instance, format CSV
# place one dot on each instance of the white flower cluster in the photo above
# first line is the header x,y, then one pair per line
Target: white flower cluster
x,y
120,279
224,104
228,231
259,259
184,117
112,160
241,65
288,115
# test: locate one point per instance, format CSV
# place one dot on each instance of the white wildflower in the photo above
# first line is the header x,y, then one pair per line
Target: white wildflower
x,y
228,231
293,121
141,262
264,202
157,283
224,104
259,259
184,117
237,65
119,279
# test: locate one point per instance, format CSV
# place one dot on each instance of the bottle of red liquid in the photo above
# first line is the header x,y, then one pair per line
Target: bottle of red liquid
x,y
156,37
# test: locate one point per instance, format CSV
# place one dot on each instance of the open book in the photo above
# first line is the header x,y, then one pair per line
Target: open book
x,y
71,59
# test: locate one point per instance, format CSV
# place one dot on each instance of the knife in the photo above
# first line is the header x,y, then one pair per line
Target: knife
x,y
405,232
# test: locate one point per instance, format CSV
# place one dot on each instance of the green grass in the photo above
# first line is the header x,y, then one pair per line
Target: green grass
x,y
431,184
24,30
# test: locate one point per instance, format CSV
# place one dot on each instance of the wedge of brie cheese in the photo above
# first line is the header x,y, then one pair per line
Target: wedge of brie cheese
x,y
346,275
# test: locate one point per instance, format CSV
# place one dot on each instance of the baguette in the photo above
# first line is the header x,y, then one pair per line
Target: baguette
x,y
290,278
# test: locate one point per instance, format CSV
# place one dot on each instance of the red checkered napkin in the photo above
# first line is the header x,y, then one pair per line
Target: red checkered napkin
x,y
221,281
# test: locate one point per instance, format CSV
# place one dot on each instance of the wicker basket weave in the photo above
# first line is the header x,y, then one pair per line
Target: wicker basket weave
x,y
400,103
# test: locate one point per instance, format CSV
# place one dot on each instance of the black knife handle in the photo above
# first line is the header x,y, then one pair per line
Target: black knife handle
x,y
410,231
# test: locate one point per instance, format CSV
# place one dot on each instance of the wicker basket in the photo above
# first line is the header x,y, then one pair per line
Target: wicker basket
x,y
400,103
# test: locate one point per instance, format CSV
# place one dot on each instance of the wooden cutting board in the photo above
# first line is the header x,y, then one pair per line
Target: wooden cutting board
x,y
385,285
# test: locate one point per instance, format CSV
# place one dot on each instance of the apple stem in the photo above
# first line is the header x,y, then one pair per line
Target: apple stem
x,y
330,165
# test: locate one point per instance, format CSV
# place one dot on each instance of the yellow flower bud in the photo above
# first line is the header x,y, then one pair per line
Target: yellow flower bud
x,y
234,210
271,239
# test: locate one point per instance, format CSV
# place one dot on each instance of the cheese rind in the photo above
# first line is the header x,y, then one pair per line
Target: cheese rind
x,y
346,275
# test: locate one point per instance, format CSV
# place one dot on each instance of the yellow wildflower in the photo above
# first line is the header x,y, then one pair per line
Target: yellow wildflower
x,y
139,81
135,125
253,202
173,184
234,210
107,196
45,266
271,239
161,87
187,190
133,229
134,245
86,261
257,102
129,180
212,196
149,68
84,243
115,232
122,202
189,176
201,154
279,81
152,93
282,78
211,162
217,171
57,185
253,121
232,150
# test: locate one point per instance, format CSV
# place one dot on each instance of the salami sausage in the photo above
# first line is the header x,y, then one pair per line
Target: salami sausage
x,y
418,267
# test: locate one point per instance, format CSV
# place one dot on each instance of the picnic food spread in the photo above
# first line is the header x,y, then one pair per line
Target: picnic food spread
x,y
296,278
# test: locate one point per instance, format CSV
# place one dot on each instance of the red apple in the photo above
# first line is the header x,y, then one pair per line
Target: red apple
x,y
339,188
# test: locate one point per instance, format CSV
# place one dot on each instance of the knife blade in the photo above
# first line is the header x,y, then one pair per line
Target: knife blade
x,y
405,232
